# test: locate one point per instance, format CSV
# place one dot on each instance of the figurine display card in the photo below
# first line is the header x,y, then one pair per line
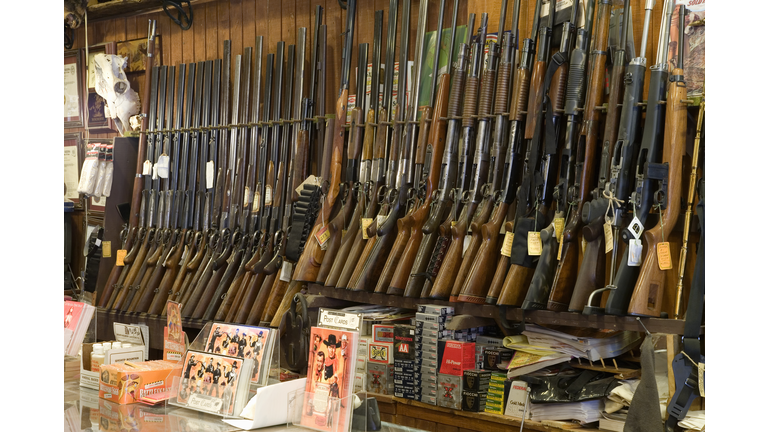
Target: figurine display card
x,y
213,383
330,377
247,342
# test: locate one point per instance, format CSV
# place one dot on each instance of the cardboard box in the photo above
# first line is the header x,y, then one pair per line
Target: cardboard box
x,y
383,333
432,400
424,325
435,309
380,353
426,355
449,391
378,379
425,317
90,379
457,357
404,344
472,401
126,383
115,417
497,358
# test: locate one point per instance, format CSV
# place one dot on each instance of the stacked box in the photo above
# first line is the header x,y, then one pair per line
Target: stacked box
x,y
380,378
458,356
449,391
472,401
430,336
361,364
495,359
495,402
439,310
476,380
404,362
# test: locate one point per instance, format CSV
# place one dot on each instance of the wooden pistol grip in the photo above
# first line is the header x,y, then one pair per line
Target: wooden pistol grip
x,y
441,288
293,288
190,283
117,286
592,271
275,299
515,285
405,263
501,269
196,290
233,291
244,280
353,261
404,226
343,259
478,281
209,290
265,290
350,212
300,162
347,240
649,290
567,267
249,299
367,272
421,142
481,217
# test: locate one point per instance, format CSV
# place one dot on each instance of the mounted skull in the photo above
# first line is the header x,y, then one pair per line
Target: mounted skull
x,y
114,87
74,12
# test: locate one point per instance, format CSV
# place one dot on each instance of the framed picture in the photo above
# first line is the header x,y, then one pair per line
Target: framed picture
x,y
73,89
136,52
97,120
73,160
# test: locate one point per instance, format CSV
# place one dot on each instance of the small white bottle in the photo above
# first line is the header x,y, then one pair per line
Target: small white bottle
x,y
106,346
116,345
97,357
127,345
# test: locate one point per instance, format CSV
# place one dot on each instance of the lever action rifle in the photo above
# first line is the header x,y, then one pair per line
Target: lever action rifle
x,y
310,260
440,288
342,268
648,295
442,167
611,206
133,223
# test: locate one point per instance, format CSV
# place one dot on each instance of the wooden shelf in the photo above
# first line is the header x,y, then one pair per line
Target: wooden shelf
x,y
572,319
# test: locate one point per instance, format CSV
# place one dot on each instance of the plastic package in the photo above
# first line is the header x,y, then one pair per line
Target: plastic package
x,y
90,171
109,171
102,169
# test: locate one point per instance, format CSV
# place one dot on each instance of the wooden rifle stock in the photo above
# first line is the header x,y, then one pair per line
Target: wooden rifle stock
x,y
257,310
592,270
649,290
339,244
441,287
482,215
521,268
138,262
565,275
251,296
478,280
206,293
177,270
405,230
115,273
502,267
148,290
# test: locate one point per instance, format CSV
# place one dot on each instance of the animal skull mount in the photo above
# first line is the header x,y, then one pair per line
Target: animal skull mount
x,y
74,12
114,87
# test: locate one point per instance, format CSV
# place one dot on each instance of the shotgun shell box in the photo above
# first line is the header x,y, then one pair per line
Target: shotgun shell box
x,y
383,333
497,397
498,376
429,326
429,386
426,355
405,383
429,333
427,347
405,365
405,395
378,379
449,391
428,371
472,401
380,353
426,340
428,363
425,378
404,342
425,317
457,357
405,390
431,392
476,379
497,358
435,309
432,400
490,340
409,377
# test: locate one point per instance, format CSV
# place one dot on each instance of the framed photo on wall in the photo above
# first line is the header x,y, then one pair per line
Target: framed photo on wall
x,y
97,120
73,160
73,90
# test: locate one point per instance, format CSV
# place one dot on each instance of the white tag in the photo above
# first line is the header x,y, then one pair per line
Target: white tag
x,y
146,169
635,227
209,175
608,234
268,195
205,402
467,239
336,319
285,272
154,172
162,166
256,201
635,253
98,242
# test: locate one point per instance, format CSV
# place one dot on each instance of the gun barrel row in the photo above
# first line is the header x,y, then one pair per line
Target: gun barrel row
x,y
495,174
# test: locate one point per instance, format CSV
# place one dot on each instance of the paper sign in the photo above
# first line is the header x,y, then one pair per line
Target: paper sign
x,y
339,320
665,257
146,168
106,249
608,233
635,253
559,224
205,403
267,195
162,166
534,243
506,248
322,236
285,271
209,174
311,180
366,222
120,257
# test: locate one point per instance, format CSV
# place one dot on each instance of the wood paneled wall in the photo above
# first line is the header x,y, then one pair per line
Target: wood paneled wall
x,y
278,20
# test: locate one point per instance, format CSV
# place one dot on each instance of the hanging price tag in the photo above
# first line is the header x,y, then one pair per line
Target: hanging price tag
x,y
665,256
146,168
106,249
256,201
322,236
343,233
506,248
162,166
209,174
534,243
635,253
154,172
366,222
267,195
608,233
285,272
559,225
635,227
120,257
701,379
560,250
453,223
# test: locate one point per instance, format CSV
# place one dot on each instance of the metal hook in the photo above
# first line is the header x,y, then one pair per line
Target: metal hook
x,y
644,327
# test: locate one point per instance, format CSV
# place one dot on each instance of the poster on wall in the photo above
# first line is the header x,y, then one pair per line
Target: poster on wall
x,y
73,85
72,161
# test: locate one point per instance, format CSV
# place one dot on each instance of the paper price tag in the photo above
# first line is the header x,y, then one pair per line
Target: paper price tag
x,y
256,201
506,248
267,195
635,227
665,256
209,175
106,249
635,253
560,250
534,243
146,168
608,233
322,235
453,223
559,224
285,272
467,239
162,166
120,257
701,379
366,222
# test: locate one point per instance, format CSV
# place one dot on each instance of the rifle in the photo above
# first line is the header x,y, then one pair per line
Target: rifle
x,y
441,287
650,149
624,159
342,269
648,295
442,162
485,238
401,175
310,260
543,276
362,189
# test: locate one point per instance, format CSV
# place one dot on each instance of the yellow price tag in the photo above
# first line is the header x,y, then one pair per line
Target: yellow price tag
x,y
506,248
366,222
534,243
665,256
560,250
120,257
106,249
322,236
559,225
608,233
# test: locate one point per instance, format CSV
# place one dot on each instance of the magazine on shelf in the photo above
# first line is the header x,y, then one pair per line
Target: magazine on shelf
x,y
330,378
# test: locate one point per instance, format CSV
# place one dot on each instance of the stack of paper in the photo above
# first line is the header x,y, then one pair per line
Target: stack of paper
x,y
613,422
591,344
694,420
583,412
77,318
524,363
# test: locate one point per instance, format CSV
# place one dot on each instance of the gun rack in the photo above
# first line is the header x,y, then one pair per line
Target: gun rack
x,y
572,319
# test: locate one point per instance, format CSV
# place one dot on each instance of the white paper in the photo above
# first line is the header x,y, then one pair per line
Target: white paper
x,y
271,403
71,97
71,173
